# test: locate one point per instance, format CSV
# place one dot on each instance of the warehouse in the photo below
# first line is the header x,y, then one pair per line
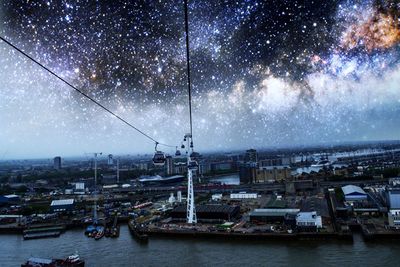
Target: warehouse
x,y
353,193
9,199
207,213
272,215
62,205
394,198
308,221
243,195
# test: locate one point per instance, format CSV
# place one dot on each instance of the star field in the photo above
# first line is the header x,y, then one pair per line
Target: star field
x,y
265,73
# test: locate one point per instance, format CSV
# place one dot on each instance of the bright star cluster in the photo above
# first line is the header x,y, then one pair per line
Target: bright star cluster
x,y
264,73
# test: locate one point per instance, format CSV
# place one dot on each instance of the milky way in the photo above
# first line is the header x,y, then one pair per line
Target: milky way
x,y
265,73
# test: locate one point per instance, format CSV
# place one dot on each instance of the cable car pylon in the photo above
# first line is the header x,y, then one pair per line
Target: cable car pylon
x,y
192,165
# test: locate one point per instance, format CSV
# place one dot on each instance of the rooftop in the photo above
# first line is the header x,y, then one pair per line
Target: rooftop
x,y
62,202
352,189
273,212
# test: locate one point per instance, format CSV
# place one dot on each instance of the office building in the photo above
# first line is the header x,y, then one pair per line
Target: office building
x,y
57,163
110,160
248,173
169,165
251,156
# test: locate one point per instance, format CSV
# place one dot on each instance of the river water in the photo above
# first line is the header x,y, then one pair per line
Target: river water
x,y
125,251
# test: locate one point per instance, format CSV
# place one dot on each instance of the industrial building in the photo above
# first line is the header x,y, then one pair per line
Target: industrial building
x,y
272,215
394,218
9,199
273,173
207,213
109,179
393,197
354,193
216,197
308,221
62,205
243,195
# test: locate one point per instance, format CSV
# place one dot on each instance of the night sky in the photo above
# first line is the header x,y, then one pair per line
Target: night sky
x,y
264,74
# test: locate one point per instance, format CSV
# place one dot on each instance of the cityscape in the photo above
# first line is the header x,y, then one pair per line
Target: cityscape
x,y
199,133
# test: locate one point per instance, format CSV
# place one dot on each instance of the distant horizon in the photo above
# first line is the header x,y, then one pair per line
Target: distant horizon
x,y
260,149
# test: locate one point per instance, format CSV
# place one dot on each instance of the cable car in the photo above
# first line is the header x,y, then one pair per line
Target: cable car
x,y
193,165
177,153
159,158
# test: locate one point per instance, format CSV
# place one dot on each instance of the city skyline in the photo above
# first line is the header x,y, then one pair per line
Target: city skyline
x,y
265,74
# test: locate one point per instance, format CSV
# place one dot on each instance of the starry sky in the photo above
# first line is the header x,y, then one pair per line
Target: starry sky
x,y
264,74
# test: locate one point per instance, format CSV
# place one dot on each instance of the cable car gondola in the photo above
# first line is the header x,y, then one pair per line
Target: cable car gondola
x,y
159,157
178,152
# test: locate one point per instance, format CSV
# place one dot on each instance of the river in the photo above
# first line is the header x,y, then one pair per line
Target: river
x,y
125,251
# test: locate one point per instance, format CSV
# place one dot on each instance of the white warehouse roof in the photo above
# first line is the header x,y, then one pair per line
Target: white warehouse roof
x,y
62,202
11,196
352,189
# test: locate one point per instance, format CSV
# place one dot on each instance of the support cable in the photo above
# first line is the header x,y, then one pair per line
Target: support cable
x,y
81,92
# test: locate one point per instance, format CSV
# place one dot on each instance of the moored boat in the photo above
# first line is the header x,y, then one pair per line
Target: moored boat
x,y
71,261
100,233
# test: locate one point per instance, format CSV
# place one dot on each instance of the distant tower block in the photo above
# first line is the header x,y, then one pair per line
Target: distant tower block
x,y
169,165
179,196
117,170
251,155
57,163
110,159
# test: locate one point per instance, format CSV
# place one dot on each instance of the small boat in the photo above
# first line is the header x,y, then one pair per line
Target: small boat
x,y
71,261
107,232
100,233
115,231
89,230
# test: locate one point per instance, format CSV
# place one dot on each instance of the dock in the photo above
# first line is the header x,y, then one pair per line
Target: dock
x,y
250,236
138,232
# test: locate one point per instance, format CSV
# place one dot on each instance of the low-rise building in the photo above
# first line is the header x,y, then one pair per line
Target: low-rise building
x,y
308,221
273,173
394,218
216,197
353,193
393,196
207,213
62,205
243,195
271,215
